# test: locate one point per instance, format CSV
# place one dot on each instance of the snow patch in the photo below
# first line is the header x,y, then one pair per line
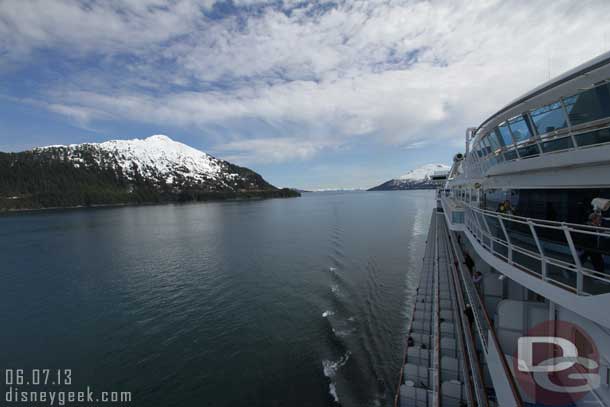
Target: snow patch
x,y
157,157
424,172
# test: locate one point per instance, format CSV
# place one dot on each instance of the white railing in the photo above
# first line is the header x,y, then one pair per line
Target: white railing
x,y
504,381
552,251
454,211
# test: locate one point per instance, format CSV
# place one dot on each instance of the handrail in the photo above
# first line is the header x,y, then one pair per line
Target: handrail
x,y
473,359
541,222
437,334
491,331
477,221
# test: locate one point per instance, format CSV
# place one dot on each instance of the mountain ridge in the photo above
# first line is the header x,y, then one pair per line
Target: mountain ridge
x,y
156,169
418,178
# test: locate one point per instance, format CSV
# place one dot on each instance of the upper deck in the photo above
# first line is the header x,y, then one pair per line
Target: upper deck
x,y
564,122
546,157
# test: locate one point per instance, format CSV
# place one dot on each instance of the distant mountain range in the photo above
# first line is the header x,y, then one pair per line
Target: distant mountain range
x,y
156,169
419,178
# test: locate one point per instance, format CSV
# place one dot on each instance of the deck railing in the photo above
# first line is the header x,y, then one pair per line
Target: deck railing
x,y
556,252
483,326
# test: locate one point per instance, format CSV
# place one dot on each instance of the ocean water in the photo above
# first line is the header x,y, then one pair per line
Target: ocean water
x,y
285,302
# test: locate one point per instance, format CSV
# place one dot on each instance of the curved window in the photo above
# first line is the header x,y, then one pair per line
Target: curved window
x,y
477,148
549,118
592,104
505,134
493,140
485,146
519,128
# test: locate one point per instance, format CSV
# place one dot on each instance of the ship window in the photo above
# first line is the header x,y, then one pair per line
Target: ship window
x,y
486,147
493,140
510,155
528,151
592,104
556,145
593,137
519,128
549,118
505,134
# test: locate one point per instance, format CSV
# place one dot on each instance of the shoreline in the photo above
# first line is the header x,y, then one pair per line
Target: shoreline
x,y
5,211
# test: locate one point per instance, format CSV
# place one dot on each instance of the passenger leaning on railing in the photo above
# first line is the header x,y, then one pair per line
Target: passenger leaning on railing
x,y
591,244
506,208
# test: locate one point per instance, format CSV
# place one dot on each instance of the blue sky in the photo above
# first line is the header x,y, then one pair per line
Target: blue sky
x,y
311,94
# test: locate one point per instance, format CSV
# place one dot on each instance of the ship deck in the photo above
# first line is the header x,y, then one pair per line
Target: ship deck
x,y
441,362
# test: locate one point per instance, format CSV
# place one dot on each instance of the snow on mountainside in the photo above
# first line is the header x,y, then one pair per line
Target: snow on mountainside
x,y
424,172
153,170
419,178
158,159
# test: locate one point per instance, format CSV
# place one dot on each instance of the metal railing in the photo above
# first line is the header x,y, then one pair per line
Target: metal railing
x,y
482,323
555,252
453,209
476,387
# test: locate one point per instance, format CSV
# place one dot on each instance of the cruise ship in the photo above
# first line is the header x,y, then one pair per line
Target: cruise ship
x,y
513,303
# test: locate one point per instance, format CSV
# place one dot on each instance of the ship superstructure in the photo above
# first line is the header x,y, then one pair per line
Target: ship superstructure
x,y
513,307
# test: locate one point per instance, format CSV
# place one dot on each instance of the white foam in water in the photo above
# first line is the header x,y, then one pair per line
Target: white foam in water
x,y
343,333
327,314
333,392
331,269
334,288
330,371
351,319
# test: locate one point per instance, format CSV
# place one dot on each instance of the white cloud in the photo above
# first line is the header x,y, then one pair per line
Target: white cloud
x,y
403,72
266,150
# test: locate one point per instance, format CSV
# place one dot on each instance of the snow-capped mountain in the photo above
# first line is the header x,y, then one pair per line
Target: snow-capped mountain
x,y
155,169
160,160
419,178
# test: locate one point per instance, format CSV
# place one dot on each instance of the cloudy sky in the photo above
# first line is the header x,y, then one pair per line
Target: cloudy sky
x,y
312,94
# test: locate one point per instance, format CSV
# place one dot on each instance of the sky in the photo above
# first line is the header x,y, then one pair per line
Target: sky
x,y
311,94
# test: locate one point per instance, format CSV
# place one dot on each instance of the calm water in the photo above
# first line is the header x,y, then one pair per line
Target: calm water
x,y
293,302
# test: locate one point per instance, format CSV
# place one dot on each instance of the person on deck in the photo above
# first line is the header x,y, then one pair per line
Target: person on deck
x,y
477,279
591,249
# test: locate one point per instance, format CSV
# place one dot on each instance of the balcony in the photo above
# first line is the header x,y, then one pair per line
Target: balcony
x,y
550,258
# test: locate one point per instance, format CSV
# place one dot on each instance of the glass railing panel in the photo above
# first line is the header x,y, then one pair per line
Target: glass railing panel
x,y
501,249
510,155
564,143
563,275
527,262
593,251
457,217
554,244
596,283
529,151
520,235
593,137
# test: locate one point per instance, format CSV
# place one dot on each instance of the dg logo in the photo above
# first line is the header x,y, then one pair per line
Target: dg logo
x,y
557,363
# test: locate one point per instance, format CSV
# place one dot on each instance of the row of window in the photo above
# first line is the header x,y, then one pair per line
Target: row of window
x,y
508,137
